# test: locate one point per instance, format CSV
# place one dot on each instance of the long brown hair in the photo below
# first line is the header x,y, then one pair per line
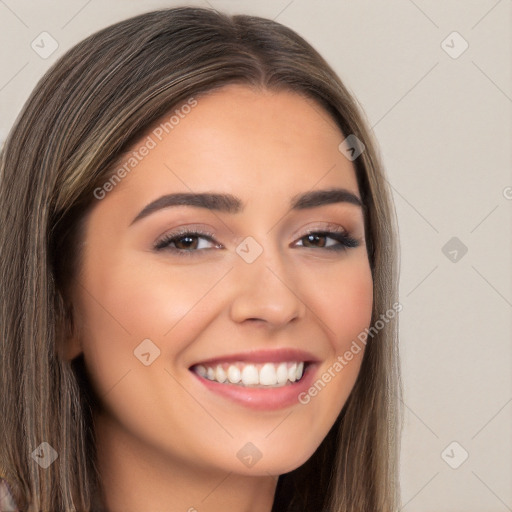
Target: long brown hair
x,y
91,106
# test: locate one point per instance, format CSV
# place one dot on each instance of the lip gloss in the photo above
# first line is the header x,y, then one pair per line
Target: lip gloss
x,y
262,398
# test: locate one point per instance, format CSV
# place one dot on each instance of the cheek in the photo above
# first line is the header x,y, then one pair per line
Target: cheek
x,y
125,303
353,310
345,309
129,300
344,303
170,303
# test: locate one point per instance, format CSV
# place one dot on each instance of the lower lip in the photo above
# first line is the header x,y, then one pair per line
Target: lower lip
x,y
263,399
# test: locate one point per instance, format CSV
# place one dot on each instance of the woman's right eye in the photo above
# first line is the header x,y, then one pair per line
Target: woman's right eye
x,y
184,242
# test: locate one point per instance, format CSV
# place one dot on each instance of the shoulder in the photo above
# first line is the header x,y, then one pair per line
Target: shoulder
x,y
7,503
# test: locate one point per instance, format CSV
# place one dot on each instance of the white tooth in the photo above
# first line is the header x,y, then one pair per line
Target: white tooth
x,y
210,373
220,374
201,370
234,374
292,372
268,375
300,369
250,375
282,373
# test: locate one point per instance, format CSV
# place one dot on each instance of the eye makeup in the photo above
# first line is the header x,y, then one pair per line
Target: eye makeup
x,y
338,234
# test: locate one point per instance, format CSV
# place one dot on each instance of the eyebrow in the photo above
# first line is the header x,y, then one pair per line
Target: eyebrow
x,y
228,203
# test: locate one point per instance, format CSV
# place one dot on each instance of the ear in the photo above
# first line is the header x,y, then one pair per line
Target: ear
x,y
72,342
68,340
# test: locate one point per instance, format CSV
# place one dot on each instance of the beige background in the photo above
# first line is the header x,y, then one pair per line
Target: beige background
x,y
444,128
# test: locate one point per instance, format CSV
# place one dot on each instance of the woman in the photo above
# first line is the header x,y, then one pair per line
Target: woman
x,y
259,372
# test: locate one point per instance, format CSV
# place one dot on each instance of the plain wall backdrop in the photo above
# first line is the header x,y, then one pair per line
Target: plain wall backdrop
x,y
434,79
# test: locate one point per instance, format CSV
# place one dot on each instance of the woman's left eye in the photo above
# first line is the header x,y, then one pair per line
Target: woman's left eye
x,y
342,240
188,242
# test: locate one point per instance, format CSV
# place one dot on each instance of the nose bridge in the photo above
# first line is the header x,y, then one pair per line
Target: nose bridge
x,y
265,285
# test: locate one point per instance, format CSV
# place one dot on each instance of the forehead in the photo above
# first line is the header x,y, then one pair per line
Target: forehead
x,y
264,143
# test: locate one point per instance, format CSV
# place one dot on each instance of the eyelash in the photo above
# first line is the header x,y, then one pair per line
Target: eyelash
x,y
340,235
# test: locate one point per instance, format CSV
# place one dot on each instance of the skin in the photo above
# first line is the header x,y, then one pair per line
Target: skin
x,y
164,441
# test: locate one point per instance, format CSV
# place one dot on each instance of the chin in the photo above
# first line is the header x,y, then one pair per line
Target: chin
x,y
275,464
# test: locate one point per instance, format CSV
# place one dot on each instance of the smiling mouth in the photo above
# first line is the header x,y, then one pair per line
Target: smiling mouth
x,y
253,375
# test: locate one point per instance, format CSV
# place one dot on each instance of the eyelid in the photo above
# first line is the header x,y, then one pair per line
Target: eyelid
x,y
198,230
321,227
187,228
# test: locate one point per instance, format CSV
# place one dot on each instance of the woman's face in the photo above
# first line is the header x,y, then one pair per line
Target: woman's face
x,y
251,298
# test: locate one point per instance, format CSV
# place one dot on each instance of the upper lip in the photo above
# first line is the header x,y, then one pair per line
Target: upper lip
x,y
263,356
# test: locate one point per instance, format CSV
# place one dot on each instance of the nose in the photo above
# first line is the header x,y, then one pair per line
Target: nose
x,y
266,292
